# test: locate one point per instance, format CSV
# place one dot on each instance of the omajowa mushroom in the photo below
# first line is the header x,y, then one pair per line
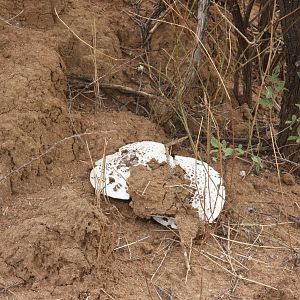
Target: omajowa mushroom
x,y
110,175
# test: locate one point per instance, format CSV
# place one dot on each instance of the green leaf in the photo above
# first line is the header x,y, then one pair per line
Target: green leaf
x,y
298,104
292,121
258,168
298,73
298,140
275,74
256,159
279,87
273,78
276,70
214,142
258,163
228,151
292,138
298,131
266,102
224,144
214,151
269,93
239,151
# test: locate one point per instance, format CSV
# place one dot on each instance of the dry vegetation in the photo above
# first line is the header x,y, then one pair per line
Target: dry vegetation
x,y
80,80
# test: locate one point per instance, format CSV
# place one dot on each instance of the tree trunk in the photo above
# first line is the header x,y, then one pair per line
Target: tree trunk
x,y
244,52
202,12
192,71
290,21
265,16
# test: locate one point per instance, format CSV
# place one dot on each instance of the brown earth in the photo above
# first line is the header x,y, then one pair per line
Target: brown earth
x,y
57,240
151,193
164,191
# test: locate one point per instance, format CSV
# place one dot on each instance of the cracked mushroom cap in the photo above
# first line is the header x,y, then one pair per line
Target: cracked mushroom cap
x,y
111,173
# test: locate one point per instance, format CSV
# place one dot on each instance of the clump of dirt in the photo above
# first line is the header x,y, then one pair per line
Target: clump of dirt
x,y
61,240
276,295
164,191
159,190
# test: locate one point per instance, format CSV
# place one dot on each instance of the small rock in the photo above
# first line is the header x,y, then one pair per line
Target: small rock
x,y
274,179
296,190
156,242
243,173
6,54
140,68
248,188
239,192
249,210
147,248
246,112
288,179
259,187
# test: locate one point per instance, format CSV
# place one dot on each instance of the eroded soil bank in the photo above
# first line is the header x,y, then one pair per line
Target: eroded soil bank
x,y
57,240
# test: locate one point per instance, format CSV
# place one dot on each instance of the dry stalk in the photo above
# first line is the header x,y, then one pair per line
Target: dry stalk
x,y
137,241
128,90
206,255
163,259
167,293
5,288
102,179
205,50
107,294
96,85
188,261
267,69
8,21
283,203
257,246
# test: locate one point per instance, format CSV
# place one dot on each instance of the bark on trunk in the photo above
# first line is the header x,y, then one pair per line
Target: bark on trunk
x,y
244,53
290,21
203,7
265,17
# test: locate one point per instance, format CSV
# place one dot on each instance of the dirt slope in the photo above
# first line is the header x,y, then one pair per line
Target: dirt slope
x,y
57,241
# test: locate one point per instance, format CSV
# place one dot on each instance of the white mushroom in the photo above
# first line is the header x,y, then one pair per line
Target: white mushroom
x,y
209,196
117,167
209,192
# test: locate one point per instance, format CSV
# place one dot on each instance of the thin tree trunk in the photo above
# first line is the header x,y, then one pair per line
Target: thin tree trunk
x,y
290,21
244,53
202,13
203,6
265,17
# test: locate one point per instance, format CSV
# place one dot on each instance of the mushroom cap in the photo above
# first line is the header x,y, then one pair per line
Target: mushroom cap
x,y
110,175
209,195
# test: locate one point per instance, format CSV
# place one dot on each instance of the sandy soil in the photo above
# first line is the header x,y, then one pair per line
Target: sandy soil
x,y
57,240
